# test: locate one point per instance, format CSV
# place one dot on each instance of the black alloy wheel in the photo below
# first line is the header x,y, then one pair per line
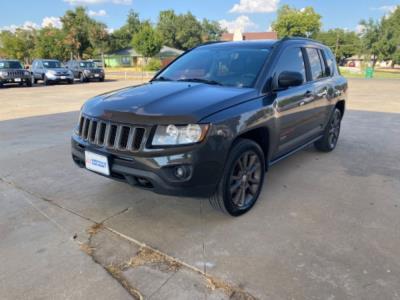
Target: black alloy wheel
x,y
331,135
242,181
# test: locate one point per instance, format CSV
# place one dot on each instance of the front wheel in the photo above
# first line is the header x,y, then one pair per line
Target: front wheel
x,y
29,82
46,81
242,180
331,134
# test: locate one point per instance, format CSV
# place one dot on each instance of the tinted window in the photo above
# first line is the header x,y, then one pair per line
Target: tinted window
x,y
229,66
315,63
331,62
292,60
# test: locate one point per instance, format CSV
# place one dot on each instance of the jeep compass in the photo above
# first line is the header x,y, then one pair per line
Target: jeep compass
x,y
212,122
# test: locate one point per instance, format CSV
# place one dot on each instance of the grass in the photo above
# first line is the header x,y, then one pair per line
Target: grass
x,y
378,74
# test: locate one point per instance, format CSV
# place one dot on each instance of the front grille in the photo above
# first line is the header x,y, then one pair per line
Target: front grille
x,y
111,135
16,73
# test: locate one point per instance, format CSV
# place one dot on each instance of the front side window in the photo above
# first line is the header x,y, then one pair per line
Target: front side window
x,y
331,62
317,71
10,65
236,67
292,60
51,64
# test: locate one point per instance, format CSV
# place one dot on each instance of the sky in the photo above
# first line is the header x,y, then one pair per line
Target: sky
x,y
246,15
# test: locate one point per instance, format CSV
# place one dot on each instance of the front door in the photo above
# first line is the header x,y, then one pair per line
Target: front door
x,y
295,105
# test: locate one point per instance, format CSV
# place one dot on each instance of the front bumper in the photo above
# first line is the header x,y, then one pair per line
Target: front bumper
x,y
91,76
59,78
6,80
157,173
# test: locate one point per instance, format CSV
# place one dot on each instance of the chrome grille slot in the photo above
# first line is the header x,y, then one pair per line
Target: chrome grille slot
x,y
111,135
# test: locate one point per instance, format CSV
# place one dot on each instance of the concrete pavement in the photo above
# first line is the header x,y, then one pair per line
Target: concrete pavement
x,y
326,226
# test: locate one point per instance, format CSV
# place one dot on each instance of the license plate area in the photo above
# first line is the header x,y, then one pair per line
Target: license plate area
x,y
97,163
17,79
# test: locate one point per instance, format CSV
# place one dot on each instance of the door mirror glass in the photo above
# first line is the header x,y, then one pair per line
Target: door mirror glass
x,y
289,78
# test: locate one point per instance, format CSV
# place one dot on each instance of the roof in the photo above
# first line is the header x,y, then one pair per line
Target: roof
x,y
243,44
165,51
268,35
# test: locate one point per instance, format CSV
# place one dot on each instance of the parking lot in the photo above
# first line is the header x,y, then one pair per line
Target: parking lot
x,y
327,226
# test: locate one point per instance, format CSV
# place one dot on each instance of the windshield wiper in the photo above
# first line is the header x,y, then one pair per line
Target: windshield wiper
x,y
206,81
162,78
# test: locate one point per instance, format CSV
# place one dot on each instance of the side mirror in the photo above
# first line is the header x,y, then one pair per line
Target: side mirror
x,y
287,79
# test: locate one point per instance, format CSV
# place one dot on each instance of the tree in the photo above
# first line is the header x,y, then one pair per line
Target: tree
x,y
76,28
19,45
122,37
148,42
389,39
167,26
293,22
212,30
99,38
182,31
370,37
49,44
342,43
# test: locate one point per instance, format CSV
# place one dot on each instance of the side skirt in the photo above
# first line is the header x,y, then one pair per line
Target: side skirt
x,y
276,160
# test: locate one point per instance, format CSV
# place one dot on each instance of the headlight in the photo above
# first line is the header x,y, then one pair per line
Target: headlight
x,y
51,72
87,71
70,72
179,135
27,73
3,74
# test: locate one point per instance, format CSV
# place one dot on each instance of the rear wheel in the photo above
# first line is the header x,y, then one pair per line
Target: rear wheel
x,y
331,134
242,180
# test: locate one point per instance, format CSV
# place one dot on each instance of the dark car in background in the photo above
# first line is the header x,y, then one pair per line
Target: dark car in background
x,y
211,123
85,70
13,72
50,71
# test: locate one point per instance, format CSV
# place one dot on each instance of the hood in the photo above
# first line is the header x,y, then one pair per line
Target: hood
x,y
165,102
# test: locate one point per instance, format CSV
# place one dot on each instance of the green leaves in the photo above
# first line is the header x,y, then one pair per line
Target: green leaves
x,y
293,22
147,41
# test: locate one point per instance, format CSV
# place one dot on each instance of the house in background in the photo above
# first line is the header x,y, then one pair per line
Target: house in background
x,y
128,57
247,36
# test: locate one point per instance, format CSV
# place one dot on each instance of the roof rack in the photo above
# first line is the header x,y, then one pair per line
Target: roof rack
x,y
291,38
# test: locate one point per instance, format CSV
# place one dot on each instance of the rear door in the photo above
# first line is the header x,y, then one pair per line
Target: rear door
x,y
294,105
321,84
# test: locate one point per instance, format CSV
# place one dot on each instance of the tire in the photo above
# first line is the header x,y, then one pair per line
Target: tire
x,y
82,78
244,173
71,81
45,80
1,85
101,79
29,83
331,134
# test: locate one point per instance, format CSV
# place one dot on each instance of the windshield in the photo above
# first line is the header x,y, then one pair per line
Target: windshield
x,y
87,64
238,67
51,64
10,65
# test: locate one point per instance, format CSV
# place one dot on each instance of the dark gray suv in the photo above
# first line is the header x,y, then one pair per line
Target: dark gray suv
x,y
211,123
50,71
12,71
85,70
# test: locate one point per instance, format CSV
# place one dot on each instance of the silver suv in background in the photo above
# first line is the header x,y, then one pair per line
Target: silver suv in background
x,y
12,71
85,70
50,71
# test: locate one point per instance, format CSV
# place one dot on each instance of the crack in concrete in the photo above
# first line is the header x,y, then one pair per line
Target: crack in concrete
x,y
213,283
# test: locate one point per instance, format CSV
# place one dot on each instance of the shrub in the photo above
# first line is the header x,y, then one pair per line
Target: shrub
x,y
153,65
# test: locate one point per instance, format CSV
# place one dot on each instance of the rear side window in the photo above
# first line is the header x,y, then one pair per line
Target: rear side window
x,y
316,66
292,60
330,61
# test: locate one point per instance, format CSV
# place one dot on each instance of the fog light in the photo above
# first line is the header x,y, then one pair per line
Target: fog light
x,y
182,172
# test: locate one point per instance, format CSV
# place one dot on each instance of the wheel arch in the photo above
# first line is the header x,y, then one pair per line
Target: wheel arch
x,y
260,135
341,105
